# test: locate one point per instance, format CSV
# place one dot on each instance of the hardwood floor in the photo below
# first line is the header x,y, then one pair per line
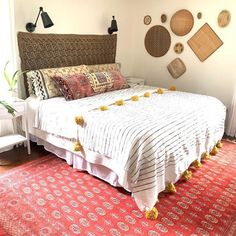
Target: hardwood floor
x,y
18,156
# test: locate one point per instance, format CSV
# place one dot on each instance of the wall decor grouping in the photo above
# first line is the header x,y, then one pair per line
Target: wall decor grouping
x,y
204,42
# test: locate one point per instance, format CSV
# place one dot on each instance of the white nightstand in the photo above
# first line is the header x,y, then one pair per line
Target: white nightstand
x,y
13,139
135,80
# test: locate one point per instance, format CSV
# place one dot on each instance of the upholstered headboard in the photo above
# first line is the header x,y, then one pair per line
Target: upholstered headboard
x,y
39,51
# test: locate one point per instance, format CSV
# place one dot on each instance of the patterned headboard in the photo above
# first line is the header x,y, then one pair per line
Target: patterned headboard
x,y
39,51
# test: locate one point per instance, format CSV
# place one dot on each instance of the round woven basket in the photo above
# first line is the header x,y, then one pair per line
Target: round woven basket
x,y
224,18
157,41
182,22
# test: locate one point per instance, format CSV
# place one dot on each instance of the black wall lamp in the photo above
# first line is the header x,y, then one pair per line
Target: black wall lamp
x,y
113,27
47,22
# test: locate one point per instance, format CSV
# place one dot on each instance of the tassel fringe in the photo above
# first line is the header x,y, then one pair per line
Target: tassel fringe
x,y
151,214
78,147
219,144
197,164
214,151
187,175
170,188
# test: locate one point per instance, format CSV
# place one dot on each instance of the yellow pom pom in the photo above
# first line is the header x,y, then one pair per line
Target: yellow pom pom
x,y
77,147
219,144
214,151
206,156
119,102
187,175
79,120
197,164
160,91
135,98
172,88
151,214
147,95
170,187
103,108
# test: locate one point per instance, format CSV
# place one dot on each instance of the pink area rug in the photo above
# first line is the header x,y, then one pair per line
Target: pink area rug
x,y
48,197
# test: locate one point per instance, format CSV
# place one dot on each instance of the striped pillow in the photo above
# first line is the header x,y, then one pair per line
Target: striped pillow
x,y
43,85
104,67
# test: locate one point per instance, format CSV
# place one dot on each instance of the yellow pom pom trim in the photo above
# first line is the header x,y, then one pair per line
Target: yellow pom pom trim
x,y
79,120
160,91
170,188
197,164
147,95
103,108
214,151
219,144
187,175
151,214
77,147
135,98
172,88
119,102
206,156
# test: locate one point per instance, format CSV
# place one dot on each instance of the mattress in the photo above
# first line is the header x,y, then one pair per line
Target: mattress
x,y
141,146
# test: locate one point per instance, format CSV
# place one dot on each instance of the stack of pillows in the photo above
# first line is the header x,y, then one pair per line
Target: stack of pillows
x,y
76,81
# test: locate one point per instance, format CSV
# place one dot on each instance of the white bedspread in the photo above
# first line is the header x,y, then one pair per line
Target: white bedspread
x,y
152,140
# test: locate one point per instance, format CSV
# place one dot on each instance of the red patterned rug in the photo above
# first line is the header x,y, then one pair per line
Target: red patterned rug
x,y
48,197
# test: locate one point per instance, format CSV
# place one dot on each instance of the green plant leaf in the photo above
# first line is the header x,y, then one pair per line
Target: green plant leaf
x,y
14,80
9,108
6,76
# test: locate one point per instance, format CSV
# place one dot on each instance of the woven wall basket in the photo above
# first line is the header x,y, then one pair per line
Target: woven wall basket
x,y
157,41
182,22
224,18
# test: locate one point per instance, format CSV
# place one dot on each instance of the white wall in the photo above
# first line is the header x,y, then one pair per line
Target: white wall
x,y
215,76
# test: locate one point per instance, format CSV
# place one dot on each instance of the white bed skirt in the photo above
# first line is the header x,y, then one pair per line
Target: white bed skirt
x,y
78,162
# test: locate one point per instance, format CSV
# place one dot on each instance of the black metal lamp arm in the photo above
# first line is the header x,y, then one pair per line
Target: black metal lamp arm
x,y
40,10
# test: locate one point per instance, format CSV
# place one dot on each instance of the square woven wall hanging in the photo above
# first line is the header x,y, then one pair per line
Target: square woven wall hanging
x,y
204,42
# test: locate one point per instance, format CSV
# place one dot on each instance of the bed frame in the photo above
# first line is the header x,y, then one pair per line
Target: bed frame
x,y
38,51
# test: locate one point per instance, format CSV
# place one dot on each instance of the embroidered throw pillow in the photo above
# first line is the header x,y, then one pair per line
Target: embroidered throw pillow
x,y
44,86
104,67
74,86
119,81
100,81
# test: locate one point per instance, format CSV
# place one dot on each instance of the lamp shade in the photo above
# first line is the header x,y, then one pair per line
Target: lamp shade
x,y
113,27
47,22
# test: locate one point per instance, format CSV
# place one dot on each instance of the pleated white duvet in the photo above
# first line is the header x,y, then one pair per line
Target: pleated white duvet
x,y
152,140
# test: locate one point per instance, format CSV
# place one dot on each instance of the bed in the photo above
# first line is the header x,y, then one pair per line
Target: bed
x,y
140,138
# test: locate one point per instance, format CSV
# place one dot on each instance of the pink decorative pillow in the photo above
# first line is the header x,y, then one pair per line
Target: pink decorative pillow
x,y
119,82
74,86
